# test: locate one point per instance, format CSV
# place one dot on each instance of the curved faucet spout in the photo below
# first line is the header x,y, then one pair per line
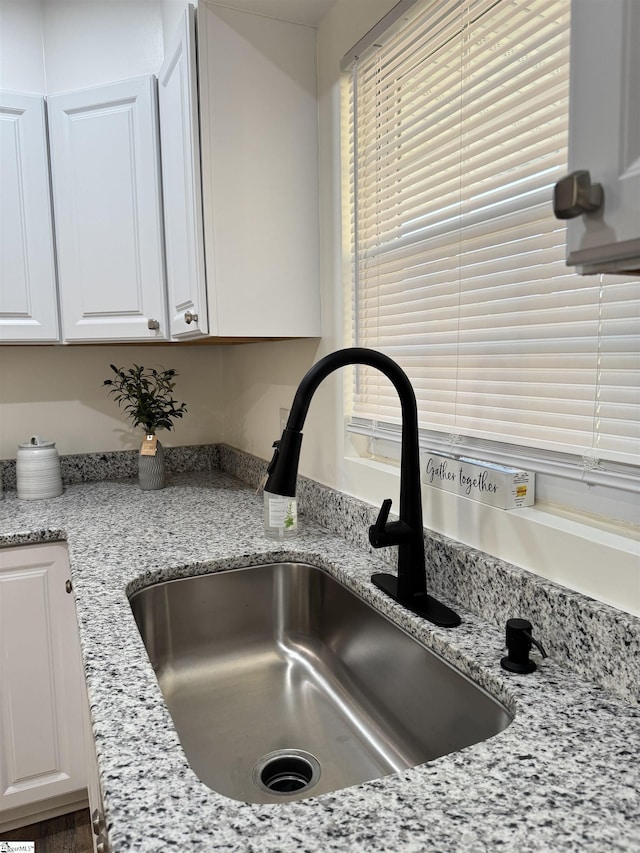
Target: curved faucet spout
x,y
410,587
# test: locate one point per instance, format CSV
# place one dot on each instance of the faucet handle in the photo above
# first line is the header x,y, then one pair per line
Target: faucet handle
x,y
384,532
377,532
274,458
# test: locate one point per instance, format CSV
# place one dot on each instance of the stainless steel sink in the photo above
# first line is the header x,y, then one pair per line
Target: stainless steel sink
x,y
284,684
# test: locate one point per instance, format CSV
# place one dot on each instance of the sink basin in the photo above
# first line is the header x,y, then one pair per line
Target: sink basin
x,y
284,684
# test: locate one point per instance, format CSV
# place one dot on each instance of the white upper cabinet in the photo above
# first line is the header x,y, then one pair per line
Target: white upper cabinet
x,y
28,298
604,133
181,186
107,203
258,162
185,206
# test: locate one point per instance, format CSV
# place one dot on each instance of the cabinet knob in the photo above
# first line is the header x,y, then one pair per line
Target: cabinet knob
x,y
69,587
153,325
574,195
190,318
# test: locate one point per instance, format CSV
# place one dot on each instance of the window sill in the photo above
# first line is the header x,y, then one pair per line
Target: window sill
x,y
565,546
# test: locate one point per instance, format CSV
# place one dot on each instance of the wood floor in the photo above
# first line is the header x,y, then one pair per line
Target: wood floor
x,y
70,833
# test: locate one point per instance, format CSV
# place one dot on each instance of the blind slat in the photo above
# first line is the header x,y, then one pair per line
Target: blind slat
x,y
458,133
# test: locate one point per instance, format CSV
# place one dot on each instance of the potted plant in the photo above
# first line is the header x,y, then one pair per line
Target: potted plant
x,y
146,397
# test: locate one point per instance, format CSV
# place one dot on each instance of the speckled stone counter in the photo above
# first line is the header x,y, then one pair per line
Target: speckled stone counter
x,y
564,775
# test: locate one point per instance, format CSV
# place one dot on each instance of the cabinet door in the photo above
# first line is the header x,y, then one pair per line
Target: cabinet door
x,y
28,298
41,742
181,187
258,123
604,131
107,203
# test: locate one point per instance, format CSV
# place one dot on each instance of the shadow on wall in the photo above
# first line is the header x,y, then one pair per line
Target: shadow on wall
x,y
259,380
57,392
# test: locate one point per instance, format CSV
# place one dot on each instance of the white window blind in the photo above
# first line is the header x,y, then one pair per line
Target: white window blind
x,y
458,125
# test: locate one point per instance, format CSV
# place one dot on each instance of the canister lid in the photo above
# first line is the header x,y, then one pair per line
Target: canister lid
x,y
36,441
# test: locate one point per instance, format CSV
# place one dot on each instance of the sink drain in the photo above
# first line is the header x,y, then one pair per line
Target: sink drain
x,y
286,771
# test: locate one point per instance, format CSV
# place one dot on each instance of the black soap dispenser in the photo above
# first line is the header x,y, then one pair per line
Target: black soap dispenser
x,y
519,641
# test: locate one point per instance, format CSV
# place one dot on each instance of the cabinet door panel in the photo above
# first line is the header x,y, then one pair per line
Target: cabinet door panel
x,y
28,299
42,754
29,729
104,156
182,195
604,131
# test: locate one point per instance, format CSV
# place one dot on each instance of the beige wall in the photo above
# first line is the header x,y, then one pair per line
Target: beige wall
x,y
57,392
262,378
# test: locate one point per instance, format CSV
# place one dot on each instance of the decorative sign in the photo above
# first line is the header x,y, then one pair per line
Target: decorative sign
x,y
497,485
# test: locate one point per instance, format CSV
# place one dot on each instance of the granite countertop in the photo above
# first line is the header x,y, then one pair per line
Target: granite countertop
x,y
564,775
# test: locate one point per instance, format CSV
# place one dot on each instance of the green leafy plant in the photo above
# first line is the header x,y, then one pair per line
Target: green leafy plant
x,y
146,396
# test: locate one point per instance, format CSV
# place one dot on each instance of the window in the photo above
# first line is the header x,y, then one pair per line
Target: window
x,y
458,131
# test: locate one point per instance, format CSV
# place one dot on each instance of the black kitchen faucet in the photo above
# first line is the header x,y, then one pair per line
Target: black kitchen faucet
x,y
409,588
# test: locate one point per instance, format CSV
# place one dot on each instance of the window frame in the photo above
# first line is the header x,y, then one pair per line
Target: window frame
x,y
582,482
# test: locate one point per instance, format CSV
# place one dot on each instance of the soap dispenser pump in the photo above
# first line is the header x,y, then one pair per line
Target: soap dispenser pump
x,y
519,641
280,504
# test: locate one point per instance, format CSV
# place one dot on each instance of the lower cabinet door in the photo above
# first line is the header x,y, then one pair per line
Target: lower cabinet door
x,y
42,695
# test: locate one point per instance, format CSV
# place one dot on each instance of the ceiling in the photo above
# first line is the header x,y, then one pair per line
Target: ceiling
x,y
309,12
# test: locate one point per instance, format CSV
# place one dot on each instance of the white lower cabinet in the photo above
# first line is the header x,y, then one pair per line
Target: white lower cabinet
x,y
42,749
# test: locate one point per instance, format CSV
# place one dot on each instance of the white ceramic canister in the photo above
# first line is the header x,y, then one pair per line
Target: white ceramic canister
x,y
38,470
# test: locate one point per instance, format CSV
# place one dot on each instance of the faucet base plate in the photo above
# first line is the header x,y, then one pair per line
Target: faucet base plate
x,y
421,604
